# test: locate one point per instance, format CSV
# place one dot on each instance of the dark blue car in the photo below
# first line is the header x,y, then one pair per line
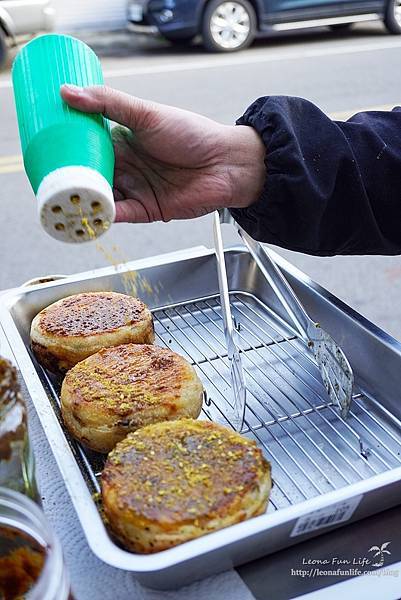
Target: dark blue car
x,y
227,26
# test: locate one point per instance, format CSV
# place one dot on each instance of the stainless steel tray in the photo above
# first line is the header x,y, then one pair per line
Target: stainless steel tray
x,y
315,456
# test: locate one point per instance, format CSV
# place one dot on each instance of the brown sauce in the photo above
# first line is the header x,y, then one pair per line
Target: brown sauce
x,y
21,562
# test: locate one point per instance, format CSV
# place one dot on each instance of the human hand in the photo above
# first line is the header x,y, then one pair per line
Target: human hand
x,y
171,163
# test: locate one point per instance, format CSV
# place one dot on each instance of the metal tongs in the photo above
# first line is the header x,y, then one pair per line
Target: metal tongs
x,y
336,372
236,370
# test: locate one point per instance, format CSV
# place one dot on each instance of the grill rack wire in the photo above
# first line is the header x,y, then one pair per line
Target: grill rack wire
x,y
312,450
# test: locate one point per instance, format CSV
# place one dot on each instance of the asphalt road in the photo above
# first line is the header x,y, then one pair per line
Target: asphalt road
x,y
342,73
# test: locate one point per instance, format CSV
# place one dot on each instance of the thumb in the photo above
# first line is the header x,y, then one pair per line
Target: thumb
x,y
117,106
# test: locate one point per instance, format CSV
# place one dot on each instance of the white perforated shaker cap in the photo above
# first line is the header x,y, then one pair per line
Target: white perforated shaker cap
x,y
75,204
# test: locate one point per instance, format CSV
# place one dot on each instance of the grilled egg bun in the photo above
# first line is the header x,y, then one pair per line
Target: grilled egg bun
x,y
172,482
121,389
75,327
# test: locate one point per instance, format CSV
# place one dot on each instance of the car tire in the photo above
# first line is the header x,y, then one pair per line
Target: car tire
x,y
341,26
392,18
240,30
180,42
3,49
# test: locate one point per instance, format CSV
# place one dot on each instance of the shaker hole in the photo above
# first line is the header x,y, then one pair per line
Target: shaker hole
x,y
96,206
75,199
59,226
80,232
56,209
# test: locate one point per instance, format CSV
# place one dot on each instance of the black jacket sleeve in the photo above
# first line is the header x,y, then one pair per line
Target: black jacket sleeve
x,y
331,187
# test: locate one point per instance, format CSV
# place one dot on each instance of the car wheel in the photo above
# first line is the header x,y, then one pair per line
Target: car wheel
x,y
392,18
228,26
179,41
3,49
341,26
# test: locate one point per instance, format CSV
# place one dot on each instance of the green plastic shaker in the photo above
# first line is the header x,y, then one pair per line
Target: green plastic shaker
x,y
68,155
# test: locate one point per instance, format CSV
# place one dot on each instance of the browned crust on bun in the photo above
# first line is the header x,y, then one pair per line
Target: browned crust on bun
x,y
120,389
174,481
75,327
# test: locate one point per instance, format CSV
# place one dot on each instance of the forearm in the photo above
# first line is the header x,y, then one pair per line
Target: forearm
x,y
245,165
330,188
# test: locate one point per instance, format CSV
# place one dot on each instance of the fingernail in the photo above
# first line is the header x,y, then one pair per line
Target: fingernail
x,y
75,89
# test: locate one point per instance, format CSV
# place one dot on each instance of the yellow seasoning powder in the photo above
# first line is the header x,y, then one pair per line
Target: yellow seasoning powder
x,y
134,284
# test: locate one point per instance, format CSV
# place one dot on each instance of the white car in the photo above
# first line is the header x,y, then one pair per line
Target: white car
x,y
20,18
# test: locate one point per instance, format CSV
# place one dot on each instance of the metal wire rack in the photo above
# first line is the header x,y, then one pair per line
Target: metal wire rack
x,y
312,450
